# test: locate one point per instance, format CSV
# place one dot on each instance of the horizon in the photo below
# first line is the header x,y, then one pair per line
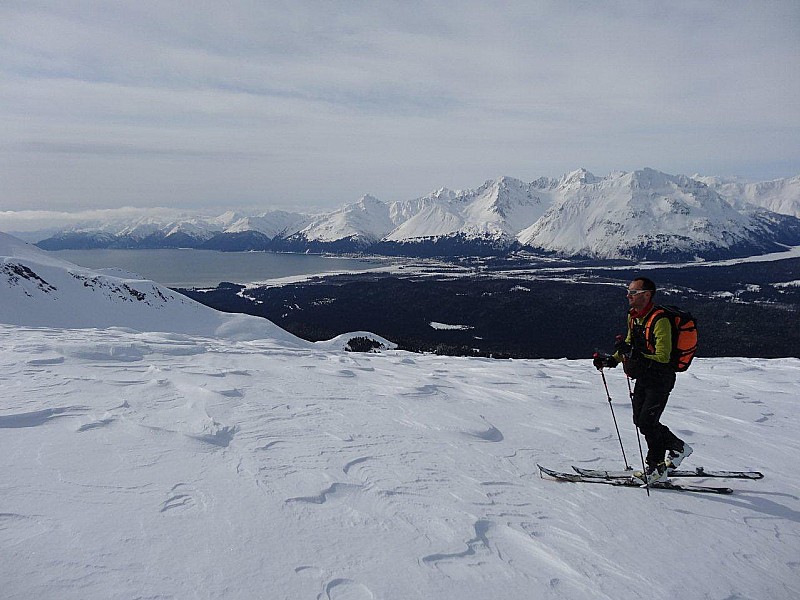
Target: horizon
x,y
315,105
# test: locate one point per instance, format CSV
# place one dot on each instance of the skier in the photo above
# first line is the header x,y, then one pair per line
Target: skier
x,y
654,377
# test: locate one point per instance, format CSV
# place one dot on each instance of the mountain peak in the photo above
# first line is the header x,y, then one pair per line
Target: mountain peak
x,y
652,178
652,215
578,177
368,200
591,212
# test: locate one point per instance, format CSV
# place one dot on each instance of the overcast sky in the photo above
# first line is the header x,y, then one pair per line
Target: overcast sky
x,y
300,104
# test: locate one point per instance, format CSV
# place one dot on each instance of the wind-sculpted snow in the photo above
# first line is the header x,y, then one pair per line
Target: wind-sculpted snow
x,y
164,465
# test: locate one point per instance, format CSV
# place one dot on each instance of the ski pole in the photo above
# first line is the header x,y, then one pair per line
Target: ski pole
x,y
644,469
611,406
638,437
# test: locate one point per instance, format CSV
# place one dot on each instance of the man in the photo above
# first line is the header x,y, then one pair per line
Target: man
x,y
645,354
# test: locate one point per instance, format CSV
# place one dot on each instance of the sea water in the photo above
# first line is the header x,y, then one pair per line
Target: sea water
x,y
207,268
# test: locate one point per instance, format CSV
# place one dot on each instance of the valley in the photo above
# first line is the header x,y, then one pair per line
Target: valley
x,y
512,308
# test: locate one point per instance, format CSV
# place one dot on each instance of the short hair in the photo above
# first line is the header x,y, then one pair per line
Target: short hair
x,y
647,284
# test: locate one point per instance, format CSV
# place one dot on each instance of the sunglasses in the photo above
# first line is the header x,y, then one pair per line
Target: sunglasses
x,y
631,293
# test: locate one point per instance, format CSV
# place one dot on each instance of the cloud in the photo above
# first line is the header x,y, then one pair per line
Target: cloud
x,y
315,103
45,222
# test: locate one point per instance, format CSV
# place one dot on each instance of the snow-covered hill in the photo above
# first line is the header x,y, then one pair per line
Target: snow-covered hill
x,y
645,214
172,456
39,290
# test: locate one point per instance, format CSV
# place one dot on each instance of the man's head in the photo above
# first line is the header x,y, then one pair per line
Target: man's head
x,y
641,292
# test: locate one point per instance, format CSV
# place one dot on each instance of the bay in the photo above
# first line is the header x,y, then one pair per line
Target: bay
x,y
207,268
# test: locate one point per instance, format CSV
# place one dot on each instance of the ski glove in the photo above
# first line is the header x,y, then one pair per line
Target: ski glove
x,y
621,346
603,360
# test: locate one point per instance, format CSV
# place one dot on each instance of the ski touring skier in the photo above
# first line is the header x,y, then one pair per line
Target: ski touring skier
x,y
646,353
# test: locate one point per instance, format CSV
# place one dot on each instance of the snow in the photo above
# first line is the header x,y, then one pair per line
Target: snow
x,y
148,462
38,289
270,223
434,220
448,326
607,217
497,210
780,196
368,219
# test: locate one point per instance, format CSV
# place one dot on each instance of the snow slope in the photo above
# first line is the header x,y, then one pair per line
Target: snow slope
x,y
270,223
780,195
367,220
141,465
156,463
499,209
39,290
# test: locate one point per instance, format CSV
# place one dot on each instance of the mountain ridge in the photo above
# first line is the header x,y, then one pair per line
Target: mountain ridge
x,y
644,214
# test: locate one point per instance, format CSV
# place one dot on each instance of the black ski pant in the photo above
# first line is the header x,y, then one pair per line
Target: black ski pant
x,y
650,395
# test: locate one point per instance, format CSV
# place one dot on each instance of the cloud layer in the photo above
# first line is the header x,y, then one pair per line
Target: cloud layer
x,y
312,104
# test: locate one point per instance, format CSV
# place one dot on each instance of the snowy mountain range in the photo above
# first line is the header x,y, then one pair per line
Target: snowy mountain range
x,y
644,214
780,196
155,448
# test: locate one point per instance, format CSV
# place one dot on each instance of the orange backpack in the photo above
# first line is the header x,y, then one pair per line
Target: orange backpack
x,y
684,335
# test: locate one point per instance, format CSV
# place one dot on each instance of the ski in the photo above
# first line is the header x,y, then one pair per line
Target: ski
x,y
631,481
697,472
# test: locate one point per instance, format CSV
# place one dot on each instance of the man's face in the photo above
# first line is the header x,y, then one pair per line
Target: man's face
x,y
638,298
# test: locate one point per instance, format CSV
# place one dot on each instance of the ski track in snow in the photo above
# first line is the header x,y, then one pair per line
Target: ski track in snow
x,y
150,465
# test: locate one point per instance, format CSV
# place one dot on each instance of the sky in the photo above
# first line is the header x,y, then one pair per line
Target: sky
x,y
311,104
